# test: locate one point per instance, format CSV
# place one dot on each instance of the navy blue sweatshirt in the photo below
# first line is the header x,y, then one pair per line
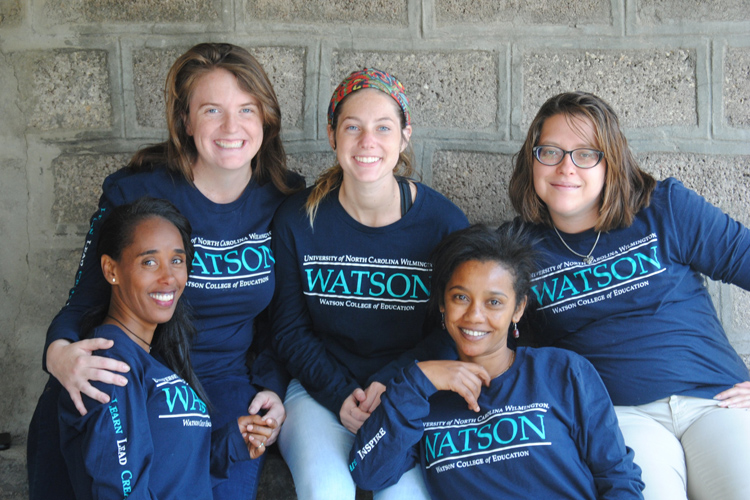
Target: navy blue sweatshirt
x,y
152,440
545,429
640,311
352,298
232,280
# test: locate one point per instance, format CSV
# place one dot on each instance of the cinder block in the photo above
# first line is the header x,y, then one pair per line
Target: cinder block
x,y
739,332
64,88
284,65
446,89
647,88
722,179
736,85
656,12
310,165
476,182
150,67
377,12
78,185
11,13
522,13
129,11
45,292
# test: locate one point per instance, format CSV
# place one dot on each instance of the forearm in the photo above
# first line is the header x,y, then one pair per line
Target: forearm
x,y
387,444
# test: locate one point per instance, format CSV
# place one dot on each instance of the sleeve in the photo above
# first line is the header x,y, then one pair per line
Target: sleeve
x,y
89,290
387,444
227,447
708,240
294,340
616,476
267,370
116,446
437,345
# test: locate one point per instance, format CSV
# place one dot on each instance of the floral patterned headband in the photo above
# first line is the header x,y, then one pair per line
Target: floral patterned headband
x,y
373,79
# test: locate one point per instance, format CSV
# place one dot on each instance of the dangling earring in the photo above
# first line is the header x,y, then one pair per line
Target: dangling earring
x,y
516,333
442,320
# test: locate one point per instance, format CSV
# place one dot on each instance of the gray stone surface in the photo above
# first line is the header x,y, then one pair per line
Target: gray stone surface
x,y
82,80
15,268
647,88
78,185
131,11
64,88
445,89
656,12
150,67
11,13
569,12
736,331
375,12
310,165
21,351
736,85
285,67
722,179
13,471
476,182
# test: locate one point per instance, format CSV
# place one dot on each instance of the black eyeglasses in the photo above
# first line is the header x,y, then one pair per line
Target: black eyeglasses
x,y
582,157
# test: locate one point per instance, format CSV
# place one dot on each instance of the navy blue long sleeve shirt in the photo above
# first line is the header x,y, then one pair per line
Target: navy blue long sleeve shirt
x,y
640,312
153,440
351,298
545,429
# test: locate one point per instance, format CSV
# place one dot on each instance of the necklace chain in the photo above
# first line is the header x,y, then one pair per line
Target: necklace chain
x,y
131,331
587,259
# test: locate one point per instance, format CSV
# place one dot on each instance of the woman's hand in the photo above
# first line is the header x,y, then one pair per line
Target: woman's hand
x,y
465,379
271,402
359,405
257,431
73,365
736,397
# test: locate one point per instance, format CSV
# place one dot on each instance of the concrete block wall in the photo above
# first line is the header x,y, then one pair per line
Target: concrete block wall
x,y
81,89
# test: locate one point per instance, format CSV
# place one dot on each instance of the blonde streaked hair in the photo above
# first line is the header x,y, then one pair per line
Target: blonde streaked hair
x,y
332,178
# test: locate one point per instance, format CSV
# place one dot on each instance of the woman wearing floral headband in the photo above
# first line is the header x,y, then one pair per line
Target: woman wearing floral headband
x,y
352,256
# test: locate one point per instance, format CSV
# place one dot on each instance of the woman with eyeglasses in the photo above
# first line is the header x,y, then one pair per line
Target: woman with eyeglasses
x,y
621,282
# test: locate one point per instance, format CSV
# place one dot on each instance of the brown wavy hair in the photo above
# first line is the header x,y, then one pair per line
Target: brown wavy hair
x,y
627,188
178,152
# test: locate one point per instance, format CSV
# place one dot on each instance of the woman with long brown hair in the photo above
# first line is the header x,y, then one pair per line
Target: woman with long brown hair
x,y
223,166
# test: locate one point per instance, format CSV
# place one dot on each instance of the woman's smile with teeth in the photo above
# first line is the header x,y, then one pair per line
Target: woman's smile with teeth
x,y
367,159
162,297
473,333
230,144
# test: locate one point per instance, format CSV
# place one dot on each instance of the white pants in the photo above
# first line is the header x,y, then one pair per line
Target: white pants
x,y
689,448
316,448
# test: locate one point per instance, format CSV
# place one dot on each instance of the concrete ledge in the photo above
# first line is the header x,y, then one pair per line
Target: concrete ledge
x,y
275,482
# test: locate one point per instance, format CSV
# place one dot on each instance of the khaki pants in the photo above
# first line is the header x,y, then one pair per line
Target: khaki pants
x,y
689,448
